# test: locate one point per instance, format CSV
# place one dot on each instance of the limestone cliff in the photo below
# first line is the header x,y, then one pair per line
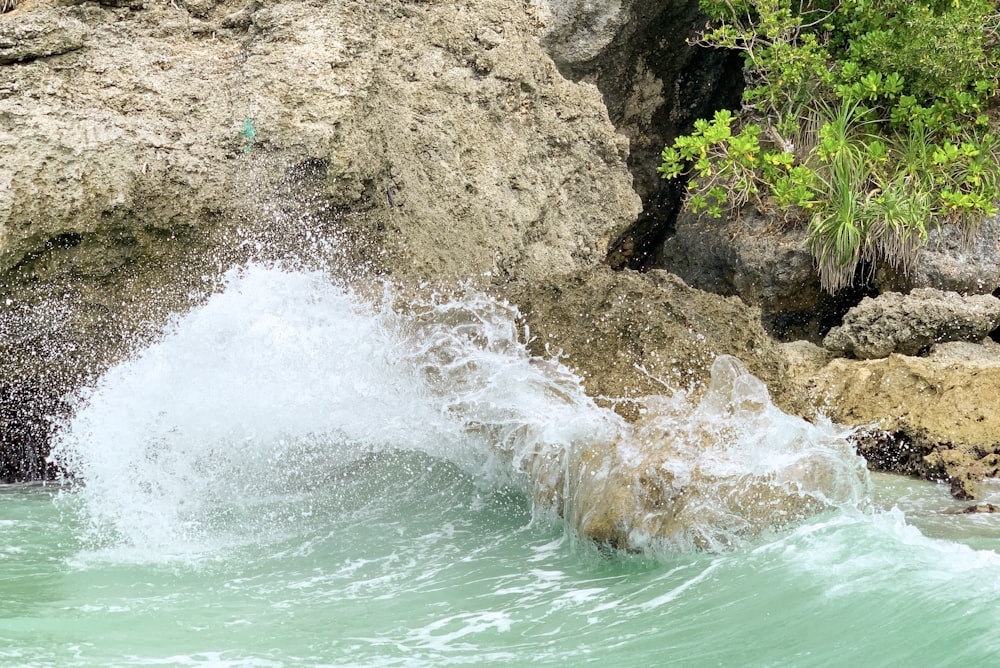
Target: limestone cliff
x,y
146,146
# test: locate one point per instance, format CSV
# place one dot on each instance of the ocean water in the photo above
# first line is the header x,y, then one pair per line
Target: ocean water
x,y
295,475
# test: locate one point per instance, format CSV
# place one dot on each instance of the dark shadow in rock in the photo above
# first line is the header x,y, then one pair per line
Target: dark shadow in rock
x,y
27,419
638,246
814,324
655,85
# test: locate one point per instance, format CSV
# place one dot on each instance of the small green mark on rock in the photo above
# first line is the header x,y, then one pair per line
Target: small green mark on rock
x,y
248,134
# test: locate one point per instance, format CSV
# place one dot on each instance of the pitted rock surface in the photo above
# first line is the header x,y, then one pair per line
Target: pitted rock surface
x,y
908,324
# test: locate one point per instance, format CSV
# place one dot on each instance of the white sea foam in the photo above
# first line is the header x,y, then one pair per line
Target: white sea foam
x,y
281,382
285,382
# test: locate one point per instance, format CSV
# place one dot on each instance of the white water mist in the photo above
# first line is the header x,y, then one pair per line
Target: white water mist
x,y
281,382
284,378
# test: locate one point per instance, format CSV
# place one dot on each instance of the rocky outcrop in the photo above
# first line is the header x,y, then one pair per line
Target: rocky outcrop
x,y
395,112
424,141
768,264
655,84
708,473
630,335
909,324
936,417
765,264
47,33
967,261
429,141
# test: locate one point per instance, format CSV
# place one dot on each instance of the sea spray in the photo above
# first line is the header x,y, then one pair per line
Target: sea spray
x,y
713,472
285,380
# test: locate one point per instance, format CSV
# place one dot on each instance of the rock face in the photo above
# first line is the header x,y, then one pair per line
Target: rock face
x,y
741,258
429,141
397,112
629,334
769,264
655,84
936,417
49,33
953,261
908,324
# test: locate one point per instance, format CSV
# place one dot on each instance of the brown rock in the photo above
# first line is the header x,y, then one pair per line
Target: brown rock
x,y
936,417
708,473
630,334
981,508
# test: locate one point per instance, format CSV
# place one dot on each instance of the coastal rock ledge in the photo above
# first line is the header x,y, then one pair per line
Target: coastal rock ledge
x,y
910,323
935,417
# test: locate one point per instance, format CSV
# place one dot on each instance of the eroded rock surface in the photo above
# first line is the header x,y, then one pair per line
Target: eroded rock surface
x,y
419,115
953,260
768,263
908,324
655,84
38,35
630,334
936,417
765,267
429,141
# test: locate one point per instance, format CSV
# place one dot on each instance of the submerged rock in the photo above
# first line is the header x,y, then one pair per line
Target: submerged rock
x,y
981,508
908,324
709,473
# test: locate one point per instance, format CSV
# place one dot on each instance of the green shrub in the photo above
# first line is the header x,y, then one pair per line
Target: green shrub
x,y
865,120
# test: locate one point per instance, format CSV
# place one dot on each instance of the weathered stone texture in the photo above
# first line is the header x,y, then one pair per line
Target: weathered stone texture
x,y
46,33
908,324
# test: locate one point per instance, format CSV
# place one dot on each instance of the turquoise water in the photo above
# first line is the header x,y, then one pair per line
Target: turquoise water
x,y
294,476
408,562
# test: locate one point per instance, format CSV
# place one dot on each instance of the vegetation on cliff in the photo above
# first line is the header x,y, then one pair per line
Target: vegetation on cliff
x,y
866,120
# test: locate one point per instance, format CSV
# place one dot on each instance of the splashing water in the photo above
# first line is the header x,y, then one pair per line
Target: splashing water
x,y
296,475
281,382
284,381
723,470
